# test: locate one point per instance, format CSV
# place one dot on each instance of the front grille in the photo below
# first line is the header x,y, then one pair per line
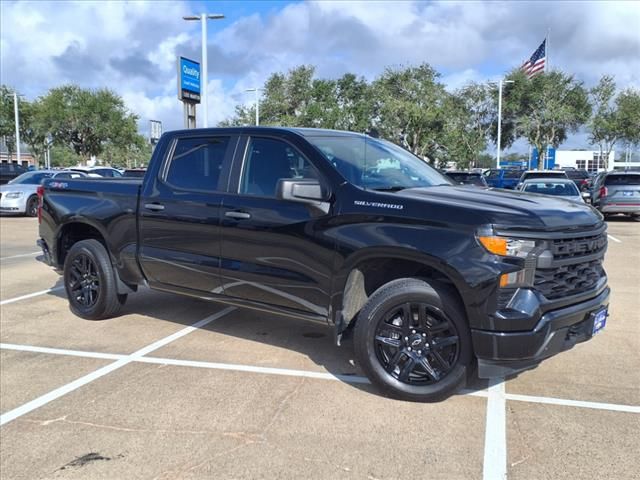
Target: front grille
x,y
579,247
568,280
576,266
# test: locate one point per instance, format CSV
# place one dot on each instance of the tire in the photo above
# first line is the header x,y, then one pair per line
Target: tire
x,y
437,317
90,282
32,206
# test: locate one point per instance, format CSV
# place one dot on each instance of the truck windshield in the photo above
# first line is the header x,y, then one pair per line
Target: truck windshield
x,y
376,164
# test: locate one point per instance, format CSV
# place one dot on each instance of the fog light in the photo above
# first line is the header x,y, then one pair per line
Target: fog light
x,y
513,278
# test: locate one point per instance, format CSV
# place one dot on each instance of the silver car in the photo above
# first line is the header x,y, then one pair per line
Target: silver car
x,y
617,192
20,195
557,187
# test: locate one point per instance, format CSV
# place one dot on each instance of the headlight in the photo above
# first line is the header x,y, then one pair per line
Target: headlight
x,y
512,247
14,194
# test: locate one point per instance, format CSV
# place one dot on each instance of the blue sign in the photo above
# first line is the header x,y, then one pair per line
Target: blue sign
x,y
188,80
534,158
549,158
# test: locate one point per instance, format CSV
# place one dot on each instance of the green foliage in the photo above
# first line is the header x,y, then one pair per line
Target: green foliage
x,y
470,115
628,105
410,105
87,121
63,156
544,109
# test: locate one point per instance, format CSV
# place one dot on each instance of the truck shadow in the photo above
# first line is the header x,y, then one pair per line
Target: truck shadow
x,y
253,338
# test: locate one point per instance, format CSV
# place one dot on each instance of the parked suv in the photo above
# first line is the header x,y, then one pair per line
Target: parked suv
x,y
9,171
345,230
617,192
467,178
579,177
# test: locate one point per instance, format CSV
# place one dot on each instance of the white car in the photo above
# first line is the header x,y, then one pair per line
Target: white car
x,y
106,172
556,187
20,195
533,174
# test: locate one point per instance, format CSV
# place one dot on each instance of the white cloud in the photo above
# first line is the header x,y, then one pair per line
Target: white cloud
x,y
131,46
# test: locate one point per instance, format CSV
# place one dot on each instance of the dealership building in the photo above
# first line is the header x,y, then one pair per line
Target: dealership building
x,y
592,161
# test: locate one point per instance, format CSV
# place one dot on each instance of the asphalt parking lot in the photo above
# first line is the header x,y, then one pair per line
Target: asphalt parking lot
x,y
181,388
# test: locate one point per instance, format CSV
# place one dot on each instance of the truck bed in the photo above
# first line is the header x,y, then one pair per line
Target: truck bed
x,y
107,205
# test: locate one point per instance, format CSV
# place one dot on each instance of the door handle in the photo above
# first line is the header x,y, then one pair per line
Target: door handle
x,y
154,206
238,215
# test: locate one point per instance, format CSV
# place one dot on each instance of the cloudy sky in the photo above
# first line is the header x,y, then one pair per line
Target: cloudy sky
x,y
131,47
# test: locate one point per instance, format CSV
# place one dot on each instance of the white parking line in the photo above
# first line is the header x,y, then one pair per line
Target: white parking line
x,y
611,237
70,387
304,373
60,351
495,436
31,295
21,255
574,403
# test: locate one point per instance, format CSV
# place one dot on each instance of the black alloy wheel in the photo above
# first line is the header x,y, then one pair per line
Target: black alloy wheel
x,y
417,344
85,283
413,341
91,281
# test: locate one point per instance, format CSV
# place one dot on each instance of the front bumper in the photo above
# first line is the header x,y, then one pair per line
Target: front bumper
x,y
506,353
12,205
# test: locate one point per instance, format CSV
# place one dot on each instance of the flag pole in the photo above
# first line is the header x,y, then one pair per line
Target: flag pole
x,y
547,64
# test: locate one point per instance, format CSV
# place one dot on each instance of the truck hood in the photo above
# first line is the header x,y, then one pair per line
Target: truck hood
x,y
509,208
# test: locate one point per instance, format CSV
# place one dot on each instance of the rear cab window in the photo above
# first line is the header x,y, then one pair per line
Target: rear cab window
x,y
196,163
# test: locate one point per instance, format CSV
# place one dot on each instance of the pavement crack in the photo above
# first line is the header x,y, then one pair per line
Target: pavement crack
x,y
116,428
281,406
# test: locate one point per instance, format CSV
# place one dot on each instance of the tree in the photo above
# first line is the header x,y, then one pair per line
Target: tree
x,y
604,124
7,119
628,105
470,115
87,121
543,110
410,109
63,156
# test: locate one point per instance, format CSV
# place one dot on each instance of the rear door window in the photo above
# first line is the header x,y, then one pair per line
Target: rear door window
x,y
196,163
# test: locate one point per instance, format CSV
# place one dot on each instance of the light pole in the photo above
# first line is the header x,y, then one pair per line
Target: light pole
x,y
257,90
203,20
499,144
17,120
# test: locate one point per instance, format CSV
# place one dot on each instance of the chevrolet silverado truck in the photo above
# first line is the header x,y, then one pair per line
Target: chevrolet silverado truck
x,y
430,279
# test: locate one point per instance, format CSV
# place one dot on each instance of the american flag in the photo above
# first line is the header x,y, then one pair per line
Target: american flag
x,y
536,63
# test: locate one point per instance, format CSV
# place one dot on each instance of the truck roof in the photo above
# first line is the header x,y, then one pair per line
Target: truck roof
x,y
302,131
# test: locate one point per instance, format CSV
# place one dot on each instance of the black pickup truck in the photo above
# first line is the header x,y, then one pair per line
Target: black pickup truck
x,y
347,230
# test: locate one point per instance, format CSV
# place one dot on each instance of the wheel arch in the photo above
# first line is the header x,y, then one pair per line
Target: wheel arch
x,y
75,231
369,269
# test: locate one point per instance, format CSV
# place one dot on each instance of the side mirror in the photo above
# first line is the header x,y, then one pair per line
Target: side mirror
x,y
585,195
303,191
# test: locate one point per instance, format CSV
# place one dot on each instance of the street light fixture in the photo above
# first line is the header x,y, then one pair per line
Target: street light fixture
x,y
203,20
257,90
501,82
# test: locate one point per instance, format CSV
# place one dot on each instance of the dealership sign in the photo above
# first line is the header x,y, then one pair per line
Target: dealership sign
x,y
188,80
